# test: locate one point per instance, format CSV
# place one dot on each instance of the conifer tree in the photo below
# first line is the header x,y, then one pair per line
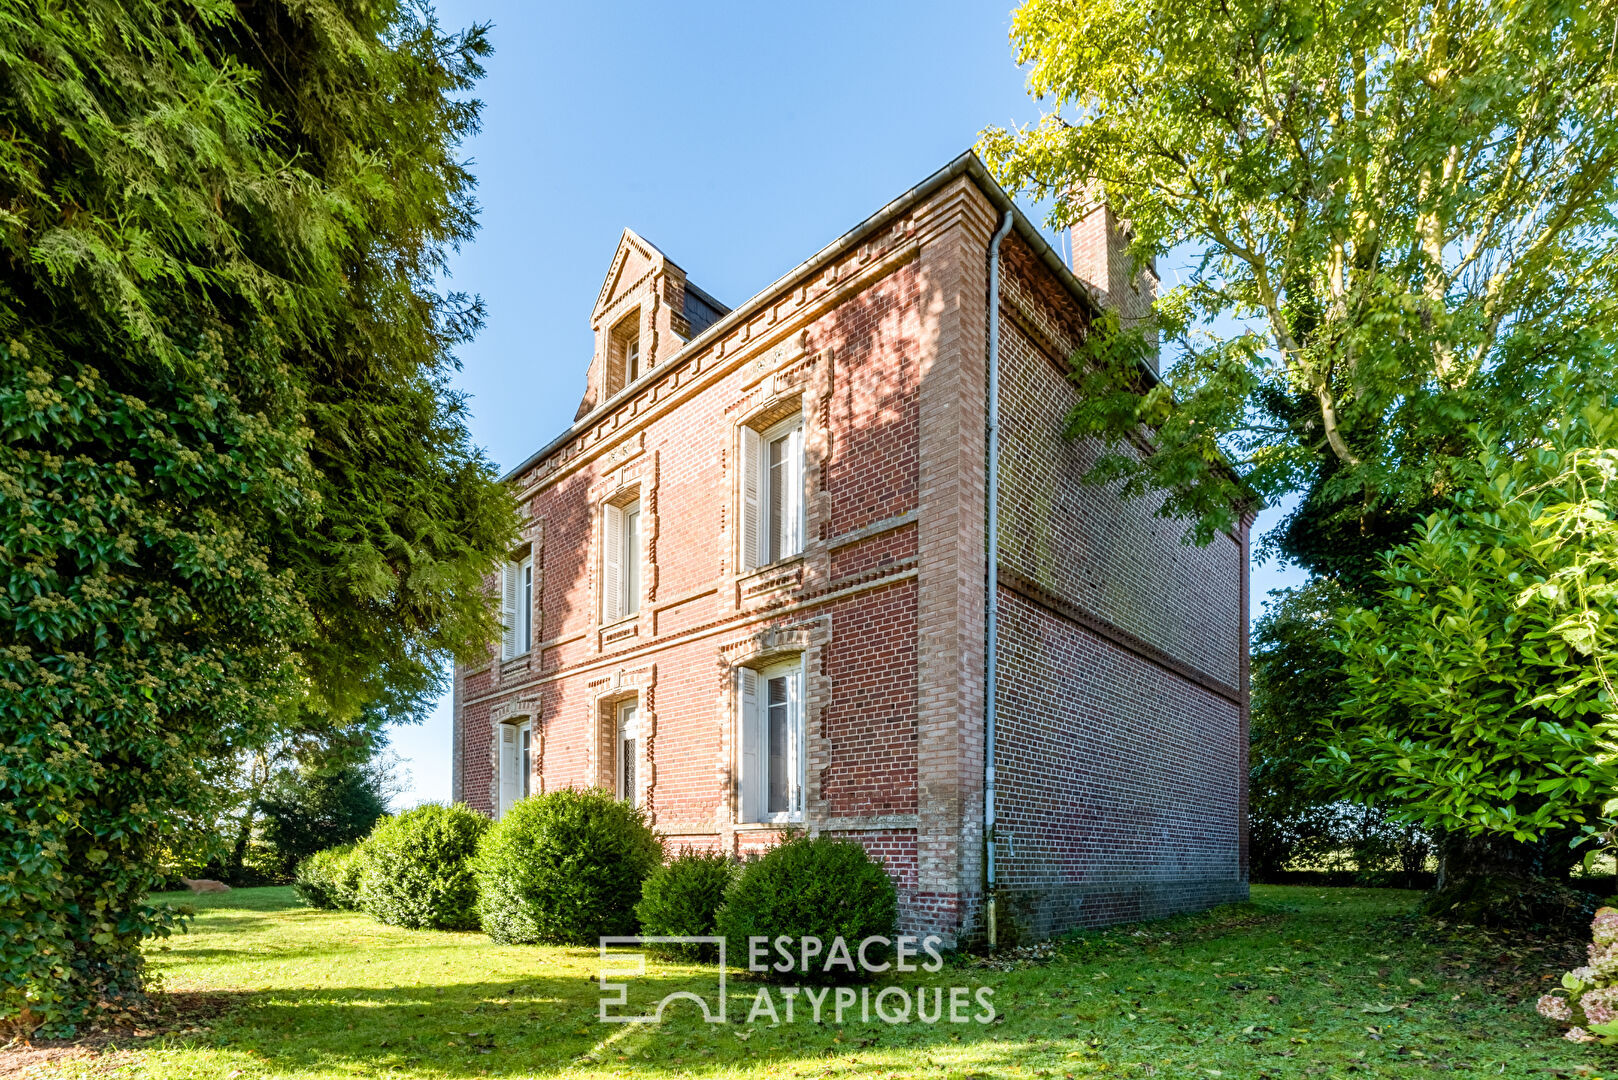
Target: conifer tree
x,y
238,492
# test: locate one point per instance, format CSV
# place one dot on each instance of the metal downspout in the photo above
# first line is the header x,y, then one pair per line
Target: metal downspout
x,y
991,621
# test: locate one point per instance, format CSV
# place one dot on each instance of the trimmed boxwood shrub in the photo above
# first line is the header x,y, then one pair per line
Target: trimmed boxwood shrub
x,y
330,879
823,888
564,868
682,898
345,878
416,872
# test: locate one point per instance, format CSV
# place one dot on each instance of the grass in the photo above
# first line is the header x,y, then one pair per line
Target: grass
x,y
1301,982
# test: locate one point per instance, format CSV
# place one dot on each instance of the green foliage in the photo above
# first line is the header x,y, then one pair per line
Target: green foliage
x,y
1403,212
307,810
1296,820
682,897
1296,686
565,867
1478,692
415,870
238,493
802,887
330,879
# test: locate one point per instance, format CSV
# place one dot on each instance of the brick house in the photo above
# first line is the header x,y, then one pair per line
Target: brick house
x,y
751,587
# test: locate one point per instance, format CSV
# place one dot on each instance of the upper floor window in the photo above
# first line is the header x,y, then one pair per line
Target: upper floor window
x,y
517,608
623,353
620,561
772,493
771,779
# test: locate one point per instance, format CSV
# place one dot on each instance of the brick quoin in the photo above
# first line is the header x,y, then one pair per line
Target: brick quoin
x,y
1122,698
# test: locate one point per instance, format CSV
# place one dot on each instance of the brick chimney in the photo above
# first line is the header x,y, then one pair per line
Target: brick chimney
x,y
1101,260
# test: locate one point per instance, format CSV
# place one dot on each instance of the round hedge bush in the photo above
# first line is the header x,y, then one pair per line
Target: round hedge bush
x,y
345,878
682,898
416,872
823,888
329,879
564,868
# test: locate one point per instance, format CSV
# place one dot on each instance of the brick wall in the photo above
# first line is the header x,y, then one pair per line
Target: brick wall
x,y
855,349
1121,738
1121,710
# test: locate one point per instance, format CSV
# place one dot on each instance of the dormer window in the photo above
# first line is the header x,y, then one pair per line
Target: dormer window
x,y
623,353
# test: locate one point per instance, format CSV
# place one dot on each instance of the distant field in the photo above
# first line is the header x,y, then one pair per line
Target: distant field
x,y
1302,982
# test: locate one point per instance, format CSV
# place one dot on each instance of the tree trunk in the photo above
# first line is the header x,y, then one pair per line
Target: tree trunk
x,y
238,851
1463,858
1497,881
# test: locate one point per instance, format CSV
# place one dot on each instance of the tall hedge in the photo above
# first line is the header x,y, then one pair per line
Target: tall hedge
x,y
236,492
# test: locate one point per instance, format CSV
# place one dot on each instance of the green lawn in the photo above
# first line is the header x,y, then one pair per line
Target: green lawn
x,y
1302,982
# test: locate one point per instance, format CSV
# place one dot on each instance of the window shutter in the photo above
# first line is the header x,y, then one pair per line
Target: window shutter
x,y
510,780
612,544
508,610
751,794
752,464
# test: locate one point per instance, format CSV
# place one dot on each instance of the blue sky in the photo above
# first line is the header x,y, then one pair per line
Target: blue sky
x,y
738,137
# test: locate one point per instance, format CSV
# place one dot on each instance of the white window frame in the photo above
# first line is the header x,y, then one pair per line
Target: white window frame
x,y
753,743
762,492
516,608
620,561
626,766
516,765
632,359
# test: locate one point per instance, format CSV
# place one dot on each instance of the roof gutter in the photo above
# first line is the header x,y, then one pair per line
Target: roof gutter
x,y
991,620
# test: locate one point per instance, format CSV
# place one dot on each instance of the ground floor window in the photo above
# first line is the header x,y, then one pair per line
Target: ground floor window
x,y
771,773
627,741
516,764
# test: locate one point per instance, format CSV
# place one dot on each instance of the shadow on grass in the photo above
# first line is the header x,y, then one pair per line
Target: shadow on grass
x,y
543,1025
1303,981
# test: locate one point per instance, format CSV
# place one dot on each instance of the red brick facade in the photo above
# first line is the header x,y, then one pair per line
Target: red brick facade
x,y
1121,752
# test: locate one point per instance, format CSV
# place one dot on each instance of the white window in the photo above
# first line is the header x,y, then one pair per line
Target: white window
x,y
517,608
771,769
620,561
516,764
772,493
623,353
625,744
